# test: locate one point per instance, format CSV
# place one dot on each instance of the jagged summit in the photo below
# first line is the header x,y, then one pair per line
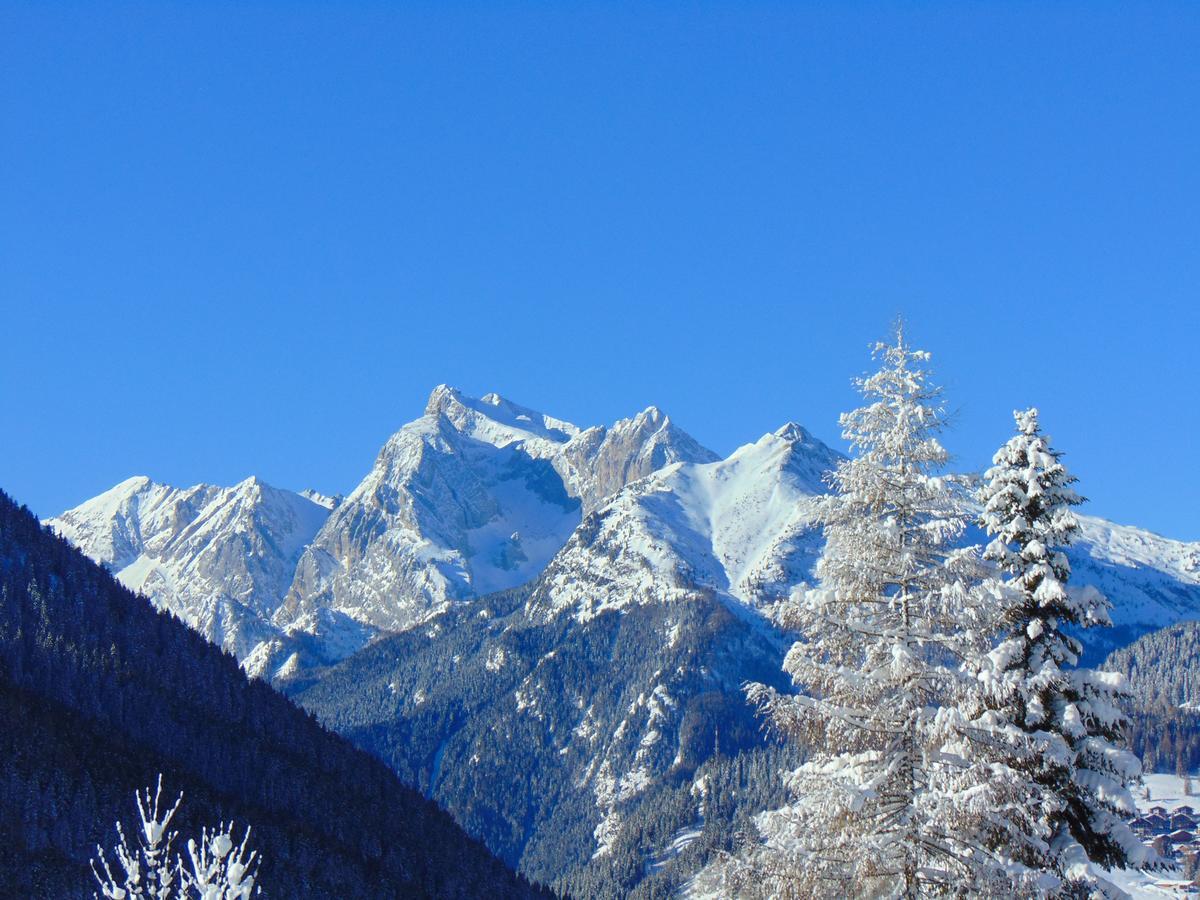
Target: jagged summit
x,y
328,501
797,433
742,527
599,461
494,419
482,494
475,496
218,557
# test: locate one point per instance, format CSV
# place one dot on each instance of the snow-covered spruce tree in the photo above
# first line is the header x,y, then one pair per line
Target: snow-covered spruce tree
x,y
217,867
897,608
1051,730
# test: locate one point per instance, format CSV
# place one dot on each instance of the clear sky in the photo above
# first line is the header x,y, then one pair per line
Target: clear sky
x,y
251,237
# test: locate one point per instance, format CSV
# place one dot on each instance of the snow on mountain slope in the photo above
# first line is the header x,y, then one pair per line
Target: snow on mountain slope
x,y
442,516
325,500
618,705
220,558
475,496
615,703
1168,571
738,533
1152,581
480,495
743,527
598,462
497,421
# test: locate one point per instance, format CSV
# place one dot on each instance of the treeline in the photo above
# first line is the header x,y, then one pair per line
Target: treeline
x,y
1164,728
100,692
521,774
684,825
1161,666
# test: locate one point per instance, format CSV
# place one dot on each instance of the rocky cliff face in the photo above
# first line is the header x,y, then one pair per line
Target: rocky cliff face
x,y
219,558
483,495
598,462
459,503
475,496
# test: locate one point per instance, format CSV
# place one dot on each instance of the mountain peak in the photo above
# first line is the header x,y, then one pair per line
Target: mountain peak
x,y
493,419
108,504
133,484
793,448
250,483
654,416
220,558
441,398
794,432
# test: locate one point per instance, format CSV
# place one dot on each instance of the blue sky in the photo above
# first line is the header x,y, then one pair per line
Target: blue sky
x,y
250,238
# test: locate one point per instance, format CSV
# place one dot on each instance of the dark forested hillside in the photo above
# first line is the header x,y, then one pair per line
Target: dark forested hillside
x,y
1163,669
99,693
1161,666
585,753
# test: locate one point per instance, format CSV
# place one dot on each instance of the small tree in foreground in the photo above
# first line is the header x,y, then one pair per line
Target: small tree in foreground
x,y
217,868
147,870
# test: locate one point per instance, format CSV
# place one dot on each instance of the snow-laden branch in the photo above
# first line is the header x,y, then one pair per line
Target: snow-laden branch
x,y
216,868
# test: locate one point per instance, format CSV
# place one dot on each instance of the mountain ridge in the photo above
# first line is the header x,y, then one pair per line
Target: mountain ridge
x,y
480,495
475,495
505,562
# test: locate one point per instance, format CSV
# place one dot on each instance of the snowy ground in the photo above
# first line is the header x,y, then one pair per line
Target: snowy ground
x,y
1153,885
1167,791
1157,886
680,841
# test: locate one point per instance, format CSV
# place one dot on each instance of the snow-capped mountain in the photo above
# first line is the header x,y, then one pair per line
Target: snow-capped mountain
x,y
218,557
745,528
1153,581
617,673
475,496
614,674
481,495
580,603
461,502
742,527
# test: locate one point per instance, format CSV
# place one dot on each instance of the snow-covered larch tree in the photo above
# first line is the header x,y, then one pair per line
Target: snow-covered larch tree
x,y
147,869
217,868
1047,730
899,605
